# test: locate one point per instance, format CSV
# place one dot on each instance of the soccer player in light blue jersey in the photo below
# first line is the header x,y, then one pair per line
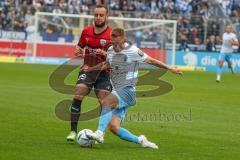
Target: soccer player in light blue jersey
x,y
123,59
229,39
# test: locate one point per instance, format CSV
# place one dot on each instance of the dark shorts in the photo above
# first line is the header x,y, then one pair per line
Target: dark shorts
x,y
96,79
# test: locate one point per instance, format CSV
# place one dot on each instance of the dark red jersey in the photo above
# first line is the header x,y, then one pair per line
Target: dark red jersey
x,y
91,41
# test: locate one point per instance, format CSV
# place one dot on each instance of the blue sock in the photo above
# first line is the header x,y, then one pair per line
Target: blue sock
x,y
219,71
105,118
126,135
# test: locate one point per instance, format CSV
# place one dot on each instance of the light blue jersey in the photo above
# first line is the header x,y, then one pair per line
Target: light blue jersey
x,y
125,65
226,52
227,47
124,70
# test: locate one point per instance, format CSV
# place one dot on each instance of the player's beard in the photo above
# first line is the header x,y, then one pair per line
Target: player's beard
x,y
100,25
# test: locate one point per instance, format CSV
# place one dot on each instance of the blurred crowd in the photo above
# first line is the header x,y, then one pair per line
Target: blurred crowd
x,y
191,15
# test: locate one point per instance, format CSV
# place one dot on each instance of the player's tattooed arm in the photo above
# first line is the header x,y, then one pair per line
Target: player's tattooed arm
x,y
79,51
101,52
100,66
160,64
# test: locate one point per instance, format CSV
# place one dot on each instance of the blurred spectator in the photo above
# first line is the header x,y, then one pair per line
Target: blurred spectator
x,y
168,6
123,5
190,16
237,31
218,40
235,4
85,8
197,41
138,37
226,4
154,9
38,5
235,16
56,9
204,9
211,45
194,33
74,7
63,6
29,17
114,5
237,28
3,19
183,44
213,28
184,6
131,7
49,5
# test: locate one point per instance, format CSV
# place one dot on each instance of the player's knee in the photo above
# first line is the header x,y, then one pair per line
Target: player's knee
x,y
113,128
229,65
102,93
220,64
81,89
78,97
105,102
80,92
108,102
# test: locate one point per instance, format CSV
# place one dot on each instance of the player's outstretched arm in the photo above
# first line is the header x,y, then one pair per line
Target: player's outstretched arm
x,y
101,52
79,51
160,64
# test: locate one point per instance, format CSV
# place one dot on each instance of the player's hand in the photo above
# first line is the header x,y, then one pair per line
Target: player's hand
x,y
234,42
79,52
85,68
176,70
101,52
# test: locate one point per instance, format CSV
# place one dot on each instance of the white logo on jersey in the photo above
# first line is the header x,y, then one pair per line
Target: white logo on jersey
x,y
82,77
91,50
140,53
103,42
108,87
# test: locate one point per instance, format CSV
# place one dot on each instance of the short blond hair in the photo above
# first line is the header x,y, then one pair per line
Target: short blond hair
x,y
118,32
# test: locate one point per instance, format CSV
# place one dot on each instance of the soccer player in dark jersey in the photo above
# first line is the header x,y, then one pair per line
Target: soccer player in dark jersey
x,y
94,39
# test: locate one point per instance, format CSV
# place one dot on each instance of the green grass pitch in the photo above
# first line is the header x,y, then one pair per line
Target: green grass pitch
x,y
201,121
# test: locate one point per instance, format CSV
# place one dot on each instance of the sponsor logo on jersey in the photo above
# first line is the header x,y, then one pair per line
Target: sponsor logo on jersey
x,y
140,53
103,42
91,50
87,39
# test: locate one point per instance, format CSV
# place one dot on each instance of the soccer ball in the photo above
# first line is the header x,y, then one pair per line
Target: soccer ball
x,y
83,140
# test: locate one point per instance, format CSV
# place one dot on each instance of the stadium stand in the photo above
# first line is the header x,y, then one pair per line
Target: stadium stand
x,y
195,23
